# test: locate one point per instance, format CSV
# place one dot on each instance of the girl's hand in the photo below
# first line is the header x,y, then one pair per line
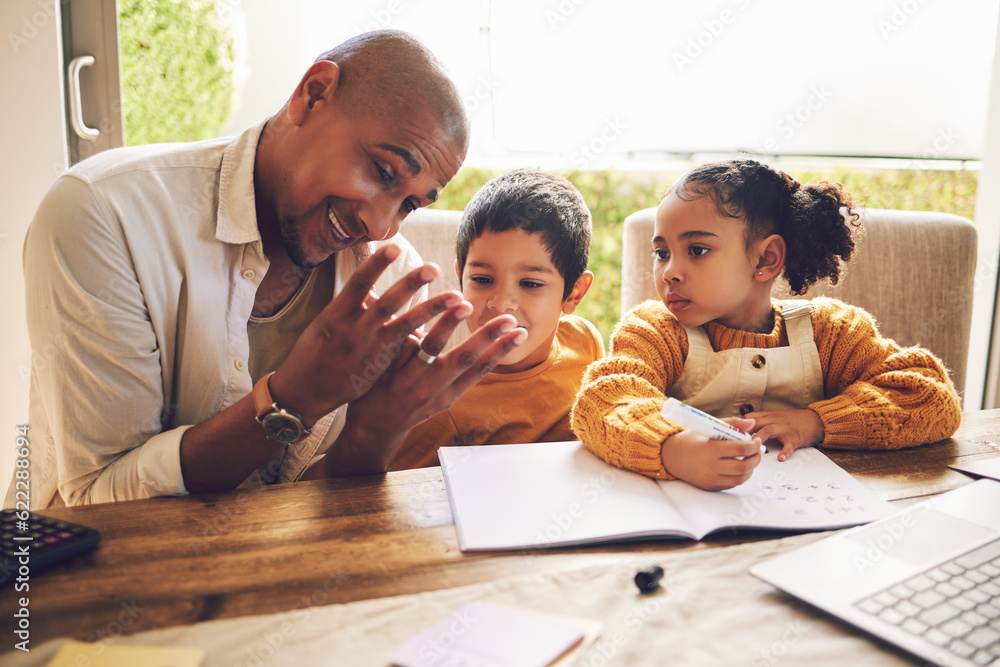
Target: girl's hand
x,y
707,463
793,428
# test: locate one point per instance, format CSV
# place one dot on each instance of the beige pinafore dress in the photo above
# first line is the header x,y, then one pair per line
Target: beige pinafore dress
x,y
731,383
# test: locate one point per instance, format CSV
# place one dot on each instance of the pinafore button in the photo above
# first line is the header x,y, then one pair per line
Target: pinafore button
x,y
758,361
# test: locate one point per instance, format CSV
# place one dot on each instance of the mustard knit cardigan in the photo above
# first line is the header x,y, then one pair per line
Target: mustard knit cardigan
x,y
879,396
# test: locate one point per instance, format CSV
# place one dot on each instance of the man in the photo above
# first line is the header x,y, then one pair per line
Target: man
x,y
183,336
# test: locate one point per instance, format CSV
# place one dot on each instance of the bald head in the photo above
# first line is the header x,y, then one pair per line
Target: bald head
x,y
386,72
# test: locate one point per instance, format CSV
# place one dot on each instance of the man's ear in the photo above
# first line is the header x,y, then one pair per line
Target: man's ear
x,y
318,85
458,273
579,291
770,257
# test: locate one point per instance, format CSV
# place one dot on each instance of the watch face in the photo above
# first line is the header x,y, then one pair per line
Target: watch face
x,y
282,427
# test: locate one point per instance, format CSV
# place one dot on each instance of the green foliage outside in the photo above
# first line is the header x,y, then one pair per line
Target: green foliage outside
x,y
613,195
176,68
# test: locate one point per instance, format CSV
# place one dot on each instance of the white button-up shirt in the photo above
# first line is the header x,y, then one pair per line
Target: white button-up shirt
x,y
141,268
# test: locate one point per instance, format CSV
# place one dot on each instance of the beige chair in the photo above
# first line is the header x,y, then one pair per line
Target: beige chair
x,y
913,271
432,232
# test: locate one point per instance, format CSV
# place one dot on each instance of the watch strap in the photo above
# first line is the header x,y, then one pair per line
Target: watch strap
x,y
262,400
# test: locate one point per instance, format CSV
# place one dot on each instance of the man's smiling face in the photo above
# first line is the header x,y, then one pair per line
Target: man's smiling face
x,y
353,177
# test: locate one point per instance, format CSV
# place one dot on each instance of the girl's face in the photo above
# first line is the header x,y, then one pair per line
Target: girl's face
x,y
702,268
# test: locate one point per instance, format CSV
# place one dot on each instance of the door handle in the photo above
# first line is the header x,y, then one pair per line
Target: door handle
x,y
75,105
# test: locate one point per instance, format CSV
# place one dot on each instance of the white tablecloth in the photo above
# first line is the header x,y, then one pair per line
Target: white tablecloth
x,y
708,611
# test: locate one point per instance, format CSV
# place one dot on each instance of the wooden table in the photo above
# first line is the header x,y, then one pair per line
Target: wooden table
x,y
171,561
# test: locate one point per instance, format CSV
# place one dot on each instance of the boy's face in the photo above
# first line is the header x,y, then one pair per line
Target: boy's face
x,y
512,272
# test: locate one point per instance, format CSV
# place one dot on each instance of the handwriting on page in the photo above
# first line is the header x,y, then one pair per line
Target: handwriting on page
x,y
829,498
806,486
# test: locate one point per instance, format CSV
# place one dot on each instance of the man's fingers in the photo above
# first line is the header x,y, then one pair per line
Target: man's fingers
x,y
478,355
359,285
422,313
396,296
435,340
481,339
370,299
476,368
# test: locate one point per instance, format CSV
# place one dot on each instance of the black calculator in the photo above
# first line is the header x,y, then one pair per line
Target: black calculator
x,y
36,541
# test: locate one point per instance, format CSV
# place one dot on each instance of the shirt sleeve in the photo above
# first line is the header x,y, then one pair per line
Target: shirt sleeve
x,y
96,381
617,411
882,396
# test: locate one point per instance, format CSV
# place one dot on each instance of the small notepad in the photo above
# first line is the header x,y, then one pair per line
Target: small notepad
x,y
479,634
980,467
105,655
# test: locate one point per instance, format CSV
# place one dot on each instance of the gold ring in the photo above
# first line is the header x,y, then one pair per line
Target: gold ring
x,y
426,358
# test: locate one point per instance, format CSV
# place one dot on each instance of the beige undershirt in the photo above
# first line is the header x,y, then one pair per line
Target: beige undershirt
x,y
272,338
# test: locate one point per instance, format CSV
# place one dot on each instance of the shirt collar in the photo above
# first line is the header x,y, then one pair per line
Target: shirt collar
x,y
237,212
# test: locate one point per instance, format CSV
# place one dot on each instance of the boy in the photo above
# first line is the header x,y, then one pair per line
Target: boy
x,y
522,248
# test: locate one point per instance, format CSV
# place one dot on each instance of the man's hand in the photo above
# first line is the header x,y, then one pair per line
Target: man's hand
x,y
414,389
708,463
355,339
793,428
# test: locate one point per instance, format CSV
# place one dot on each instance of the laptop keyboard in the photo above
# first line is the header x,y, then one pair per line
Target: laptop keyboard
x,y
955,606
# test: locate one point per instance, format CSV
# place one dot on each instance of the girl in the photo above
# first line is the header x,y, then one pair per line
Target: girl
x,y
801,372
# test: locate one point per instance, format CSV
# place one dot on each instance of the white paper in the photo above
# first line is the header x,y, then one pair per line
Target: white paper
x,y
980,467
478,634
808,491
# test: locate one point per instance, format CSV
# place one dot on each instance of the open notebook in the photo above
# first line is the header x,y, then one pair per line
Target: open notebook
x,y
542,495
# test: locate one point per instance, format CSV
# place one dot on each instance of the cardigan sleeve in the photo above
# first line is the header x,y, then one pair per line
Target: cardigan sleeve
x,y
881,396
617,411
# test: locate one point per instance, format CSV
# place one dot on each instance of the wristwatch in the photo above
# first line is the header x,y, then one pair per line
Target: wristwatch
x,y
279,424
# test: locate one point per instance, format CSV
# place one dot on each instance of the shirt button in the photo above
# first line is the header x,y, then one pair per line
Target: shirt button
x,y
248,274
239,364
745,409
758,361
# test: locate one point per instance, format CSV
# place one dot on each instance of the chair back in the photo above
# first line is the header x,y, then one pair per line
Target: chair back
x,y
432,233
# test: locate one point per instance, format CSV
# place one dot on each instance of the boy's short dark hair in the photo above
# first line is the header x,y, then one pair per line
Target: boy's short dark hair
x,y
537,202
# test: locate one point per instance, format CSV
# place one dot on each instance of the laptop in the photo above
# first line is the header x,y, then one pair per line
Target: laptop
x,y
926,578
